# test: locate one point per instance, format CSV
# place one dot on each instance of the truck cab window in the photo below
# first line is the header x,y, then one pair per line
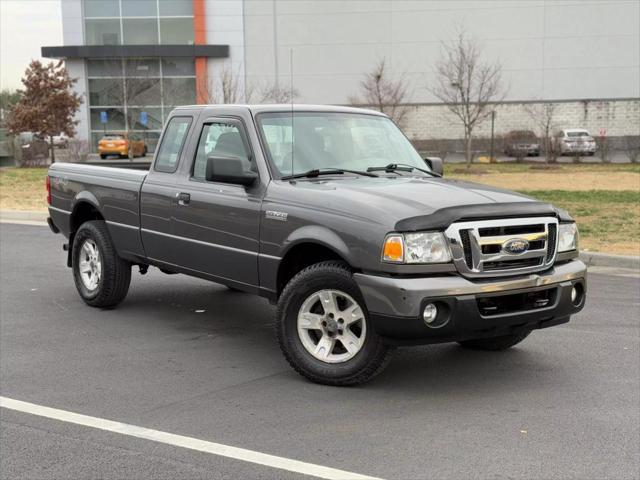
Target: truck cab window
x,y
172,142
220,140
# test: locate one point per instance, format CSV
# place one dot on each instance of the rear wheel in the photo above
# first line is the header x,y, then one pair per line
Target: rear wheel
x,y
103,156
102,278
496,343
323,327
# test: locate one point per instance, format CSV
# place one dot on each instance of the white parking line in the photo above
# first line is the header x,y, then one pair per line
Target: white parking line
x,y
183,442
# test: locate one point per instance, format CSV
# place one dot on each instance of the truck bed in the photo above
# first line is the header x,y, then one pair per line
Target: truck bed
x,y
114,192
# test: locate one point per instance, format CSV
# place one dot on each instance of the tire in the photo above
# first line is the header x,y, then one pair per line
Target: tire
x,y
343,367
110,273
495,344
103,156
144,152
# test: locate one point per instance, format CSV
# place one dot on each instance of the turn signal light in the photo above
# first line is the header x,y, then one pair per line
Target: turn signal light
x,y
393,249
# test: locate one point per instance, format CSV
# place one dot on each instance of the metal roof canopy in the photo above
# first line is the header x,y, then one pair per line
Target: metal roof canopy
x,y
111,51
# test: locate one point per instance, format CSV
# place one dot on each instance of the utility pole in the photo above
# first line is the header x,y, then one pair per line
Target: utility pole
x,y
493,121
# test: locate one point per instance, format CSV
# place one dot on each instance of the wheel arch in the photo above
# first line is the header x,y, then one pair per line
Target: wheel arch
x,y
305,250
85,208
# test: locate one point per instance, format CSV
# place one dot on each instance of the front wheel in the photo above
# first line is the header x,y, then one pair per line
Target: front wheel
x,y
323,327
101,276
495,343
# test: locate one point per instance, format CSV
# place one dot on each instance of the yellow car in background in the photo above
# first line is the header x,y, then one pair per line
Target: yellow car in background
x,y
125,145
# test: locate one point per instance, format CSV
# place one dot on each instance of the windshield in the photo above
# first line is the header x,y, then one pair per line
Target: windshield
x,y
314,140
577,134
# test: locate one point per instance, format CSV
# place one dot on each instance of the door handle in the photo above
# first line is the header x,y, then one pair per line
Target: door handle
x,y
183,199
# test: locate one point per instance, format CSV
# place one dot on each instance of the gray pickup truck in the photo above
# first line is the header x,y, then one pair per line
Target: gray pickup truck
x,y
331,214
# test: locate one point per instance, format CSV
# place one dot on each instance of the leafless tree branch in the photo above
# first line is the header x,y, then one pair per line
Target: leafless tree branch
x,y
467,84
543,115
383,93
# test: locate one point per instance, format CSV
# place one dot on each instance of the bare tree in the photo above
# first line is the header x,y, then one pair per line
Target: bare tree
x,y
227,88
272,93
383,93
78,150
467,84
543,115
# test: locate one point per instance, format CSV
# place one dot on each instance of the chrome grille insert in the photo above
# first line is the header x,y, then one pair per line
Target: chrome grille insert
x,y
479,248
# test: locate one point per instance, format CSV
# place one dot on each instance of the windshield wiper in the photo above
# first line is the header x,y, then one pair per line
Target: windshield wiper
x,y
327,171
401,167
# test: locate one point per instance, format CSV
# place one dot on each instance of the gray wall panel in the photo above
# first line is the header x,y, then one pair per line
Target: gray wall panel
x,y
549,49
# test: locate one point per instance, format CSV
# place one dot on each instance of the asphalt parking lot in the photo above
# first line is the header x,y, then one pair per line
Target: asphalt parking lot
x,y
191,358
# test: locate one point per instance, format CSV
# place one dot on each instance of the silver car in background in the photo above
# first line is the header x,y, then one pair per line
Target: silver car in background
x,y
574,141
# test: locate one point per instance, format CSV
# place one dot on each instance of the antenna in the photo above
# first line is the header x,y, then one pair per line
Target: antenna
x,y
293,142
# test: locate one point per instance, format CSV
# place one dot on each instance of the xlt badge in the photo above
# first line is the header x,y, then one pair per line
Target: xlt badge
x,y
273,215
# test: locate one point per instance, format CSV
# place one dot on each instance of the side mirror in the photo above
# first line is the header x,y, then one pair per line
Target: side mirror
x,y
228,170
435,164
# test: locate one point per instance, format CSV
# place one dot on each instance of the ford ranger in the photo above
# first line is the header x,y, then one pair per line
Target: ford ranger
x,y
332,215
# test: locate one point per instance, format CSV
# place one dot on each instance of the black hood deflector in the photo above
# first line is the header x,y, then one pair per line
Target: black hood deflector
x,y
441,219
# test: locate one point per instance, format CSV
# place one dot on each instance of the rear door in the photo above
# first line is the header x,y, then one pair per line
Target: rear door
x,y
217,224
159,190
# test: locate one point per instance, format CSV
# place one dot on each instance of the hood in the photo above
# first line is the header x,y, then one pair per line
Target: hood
x,y
388,200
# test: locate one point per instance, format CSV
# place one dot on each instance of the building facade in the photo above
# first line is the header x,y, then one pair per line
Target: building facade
x,y
136,59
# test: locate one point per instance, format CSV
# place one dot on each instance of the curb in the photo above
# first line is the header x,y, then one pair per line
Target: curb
x,y
592,259
595,259
23,215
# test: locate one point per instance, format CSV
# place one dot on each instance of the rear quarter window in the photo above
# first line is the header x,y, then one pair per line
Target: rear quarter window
x,y
172,143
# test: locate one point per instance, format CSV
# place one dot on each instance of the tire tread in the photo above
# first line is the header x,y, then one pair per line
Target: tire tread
x,y
381,354
116,272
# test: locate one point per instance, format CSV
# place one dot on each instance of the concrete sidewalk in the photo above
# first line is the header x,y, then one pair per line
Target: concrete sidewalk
x,y
590,258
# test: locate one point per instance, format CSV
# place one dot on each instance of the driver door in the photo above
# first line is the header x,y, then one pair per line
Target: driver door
x,y
218,224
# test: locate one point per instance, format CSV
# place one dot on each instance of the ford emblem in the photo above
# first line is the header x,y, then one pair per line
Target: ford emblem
x,y
515,246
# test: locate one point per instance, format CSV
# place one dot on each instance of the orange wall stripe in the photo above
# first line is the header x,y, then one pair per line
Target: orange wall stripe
x,y
200,38
199,28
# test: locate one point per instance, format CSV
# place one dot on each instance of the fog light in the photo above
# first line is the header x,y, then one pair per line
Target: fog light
x,y
430,313
577,294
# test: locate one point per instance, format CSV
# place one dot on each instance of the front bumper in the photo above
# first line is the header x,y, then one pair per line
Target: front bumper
x,y
395,304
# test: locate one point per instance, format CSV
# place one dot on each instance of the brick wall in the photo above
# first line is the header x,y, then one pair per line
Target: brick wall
x,y
618,117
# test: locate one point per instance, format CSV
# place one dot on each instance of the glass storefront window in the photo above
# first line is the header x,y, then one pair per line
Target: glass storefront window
x,y
135,117
115,119
170,8
102,32
104,68
140,8
176,31
143,91
178,67
106,91
179,91
142,67
140,31
131,90
101,8
150,139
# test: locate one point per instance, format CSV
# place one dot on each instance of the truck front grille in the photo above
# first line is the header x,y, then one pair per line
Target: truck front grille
x,y
482,248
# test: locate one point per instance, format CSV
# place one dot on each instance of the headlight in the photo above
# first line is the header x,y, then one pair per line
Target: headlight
x,y
567,237
424,247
